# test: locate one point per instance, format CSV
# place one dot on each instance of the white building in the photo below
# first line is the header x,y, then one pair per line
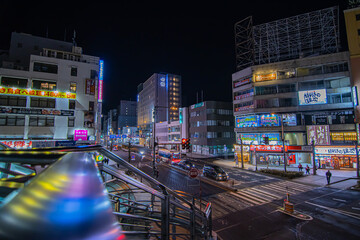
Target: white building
x,y
48,89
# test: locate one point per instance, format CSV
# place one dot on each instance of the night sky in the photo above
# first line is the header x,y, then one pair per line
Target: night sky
x,y
138,39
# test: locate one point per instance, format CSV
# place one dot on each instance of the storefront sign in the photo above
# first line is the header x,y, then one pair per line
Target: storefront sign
x,y
244,108
90,87
18,144
246,95
197,105
248,121
80,135
266,148
320,134
36,93
273,137
335,150
36,111
289,119
248,138
242,82
269,120
312,97
265,77
101,80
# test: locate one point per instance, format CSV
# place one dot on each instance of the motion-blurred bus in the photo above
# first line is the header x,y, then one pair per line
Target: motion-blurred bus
x,y
169,156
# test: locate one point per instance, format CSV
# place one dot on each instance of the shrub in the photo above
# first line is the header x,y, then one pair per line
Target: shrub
x,y
288,174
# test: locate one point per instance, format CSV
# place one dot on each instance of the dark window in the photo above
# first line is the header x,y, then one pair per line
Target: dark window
x,y
14,82
91,106
42,102
71,122
43,85
41,121
359,32
73,71
19,45
44,67
12,101
93,74
72,104
11,121
357,16
2,120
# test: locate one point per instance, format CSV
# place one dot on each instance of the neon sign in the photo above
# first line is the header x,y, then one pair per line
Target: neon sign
x,y
101,78
36,93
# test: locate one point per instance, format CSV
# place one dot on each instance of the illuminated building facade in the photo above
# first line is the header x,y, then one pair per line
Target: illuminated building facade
x,y
159,100
292,98
48,91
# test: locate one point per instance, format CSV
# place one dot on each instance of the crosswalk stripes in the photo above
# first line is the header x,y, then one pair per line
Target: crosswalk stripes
x,y
225,203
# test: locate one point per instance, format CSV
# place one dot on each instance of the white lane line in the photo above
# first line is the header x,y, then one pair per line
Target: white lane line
x,y
355,208
349,214
249,200
339,200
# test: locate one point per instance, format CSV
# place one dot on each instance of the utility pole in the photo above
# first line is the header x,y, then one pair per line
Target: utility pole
x,y
283,141
242,153
313,151
154,127
129,150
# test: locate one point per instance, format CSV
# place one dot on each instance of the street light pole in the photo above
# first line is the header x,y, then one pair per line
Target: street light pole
x,y
283,141
154,127
242,153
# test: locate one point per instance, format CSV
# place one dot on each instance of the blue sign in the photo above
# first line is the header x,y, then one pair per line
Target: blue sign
x,y
101,70
124,136
65,143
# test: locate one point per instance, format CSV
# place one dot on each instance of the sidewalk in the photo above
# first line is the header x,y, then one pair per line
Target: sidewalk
x,y
341,179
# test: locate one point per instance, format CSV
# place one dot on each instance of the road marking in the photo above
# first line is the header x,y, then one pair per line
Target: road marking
x,y
355,208
340,200
349,214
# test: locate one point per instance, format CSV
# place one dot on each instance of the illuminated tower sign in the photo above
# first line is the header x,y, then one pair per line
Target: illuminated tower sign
x,y
101,78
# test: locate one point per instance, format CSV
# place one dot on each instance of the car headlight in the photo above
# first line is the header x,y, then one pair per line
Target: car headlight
x,y
219,175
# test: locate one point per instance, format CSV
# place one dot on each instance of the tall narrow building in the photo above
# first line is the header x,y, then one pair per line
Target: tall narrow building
x,y
159,100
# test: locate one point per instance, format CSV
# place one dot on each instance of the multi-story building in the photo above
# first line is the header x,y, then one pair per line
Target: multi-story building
x,y
211,128
159,99
49,91
301,95
127,116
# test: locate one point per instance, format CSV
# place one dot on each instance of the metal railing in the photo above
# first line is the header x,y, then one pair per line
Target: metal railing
x,y
142,206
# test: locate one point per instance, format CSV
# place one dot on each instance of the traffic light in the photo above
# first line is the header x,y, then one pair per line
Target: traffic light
x,y
183,143
188,143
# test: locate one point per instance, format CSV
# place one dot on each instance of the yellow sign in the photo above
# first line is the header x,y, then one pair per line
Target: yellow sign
x,y
343,136
99,158
36,93
265,77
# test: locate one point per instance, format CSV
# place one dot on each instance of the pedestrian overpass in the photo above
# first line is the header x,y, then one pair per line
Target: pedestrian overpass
x,y
64,193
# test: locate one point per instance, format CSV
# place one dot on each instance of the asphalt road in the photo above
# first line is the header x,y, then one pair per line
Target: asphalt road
x,y
252,211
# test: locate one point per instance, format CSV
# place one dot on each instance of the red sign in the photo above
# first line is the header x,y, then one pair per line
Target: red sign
x,y
266,148
193,173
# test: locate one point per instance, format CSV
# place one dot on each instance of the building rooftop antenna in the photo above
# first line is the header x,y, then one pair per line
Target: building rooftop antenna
x,y
73,38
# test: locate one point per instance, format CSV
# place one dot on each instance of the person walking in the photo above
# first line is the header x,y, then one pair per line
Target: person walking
x,y
328,176
300,167
307,169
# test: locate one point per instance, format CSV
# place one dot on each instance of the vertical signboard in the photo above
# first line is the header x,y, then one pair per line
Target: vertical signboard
x,y
320,134
80,135
101,78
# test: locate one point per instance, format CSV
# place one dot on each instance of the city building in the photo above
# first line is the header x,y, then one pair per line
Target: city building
x,y
127,116
211,128
159,99
49,91
299,93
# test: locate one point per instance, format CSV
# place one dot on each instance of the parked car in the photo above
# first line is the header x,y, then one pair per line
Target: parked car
x,y
215,172
186,164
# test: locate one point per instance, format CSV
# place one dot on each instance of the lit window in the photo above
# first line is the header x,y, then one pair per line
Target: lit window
x,y
72,87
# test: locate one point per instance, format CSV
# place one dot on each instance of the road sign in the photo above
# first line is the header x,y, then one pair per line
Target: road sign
x,y
193,172
99,158
133,157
